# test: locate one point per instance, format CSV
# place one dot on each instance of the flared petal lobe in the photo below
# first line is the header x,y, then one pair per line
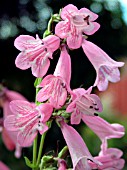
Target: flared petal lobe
x,y
77,148
35,53
110,158
106,68
27,120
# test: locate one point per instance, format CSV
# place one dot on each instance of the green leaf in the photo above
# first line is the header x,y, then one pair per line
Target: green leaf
x,y
28,163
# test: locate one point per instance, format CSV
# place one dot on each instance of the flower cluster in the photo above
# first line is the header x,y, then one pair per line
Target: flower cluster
x,y
55,100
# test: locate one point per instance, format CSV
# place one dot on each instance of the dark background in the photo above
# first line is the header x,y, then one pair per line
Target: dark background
x,y
30,17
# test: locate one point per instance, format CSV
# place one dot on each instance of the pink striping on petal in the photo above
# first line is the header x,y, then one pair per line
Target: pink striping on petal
x,y
106,68
102,128
77,148
63,67
40,66
68,11
23,41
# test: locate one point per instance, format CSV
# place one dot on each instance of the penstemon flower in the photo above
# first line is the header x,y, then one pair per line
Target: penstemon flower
x,y
28,119
109,157
55,87
9,138
75,23
35,53
106,68
83,103
77,148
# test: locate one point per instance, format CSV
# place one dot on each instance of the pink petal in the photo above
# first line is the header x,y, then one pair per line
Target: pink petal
x,y
106,68
77,148
23,61
25,138
45,109
63,67
74,41
91,28
75,118
62,29
3,166
7,140
103,129
21,107
87,12
10,123
62,164
22,42
68,10
40,66
13,95
52,42
46,80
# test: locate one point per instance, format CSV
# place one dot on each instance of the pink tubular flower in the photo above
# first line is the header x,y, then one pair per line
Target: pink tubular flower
x,y
110,159
102,128
106,68
62,164
77,148
27,119
3,166
55,87
35,53
9,138
76,22
83,103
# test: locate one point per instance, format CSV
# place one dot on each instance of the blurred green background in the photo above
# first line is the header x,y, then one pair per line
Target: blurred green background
x,y
30,17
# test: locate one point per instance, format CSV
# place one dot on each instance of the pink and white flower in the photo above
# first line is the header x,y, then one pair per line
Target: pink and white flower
x,y
106,68
27,120
110,158
75,23
77,148
83,103
35,53
55,87
102,128
9,138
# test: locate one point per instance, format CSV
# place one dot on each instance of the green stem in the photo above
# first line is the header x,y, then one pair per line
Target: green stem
x,y
49,24
41,148
35,151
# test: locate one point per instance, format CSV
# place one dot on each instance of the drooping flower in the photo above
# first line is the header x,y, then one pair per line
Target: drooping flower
x,y
102,128
9,138
83,103
27,120
75,23
106,68
35,53
110,158
3,166
55,87
77,148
